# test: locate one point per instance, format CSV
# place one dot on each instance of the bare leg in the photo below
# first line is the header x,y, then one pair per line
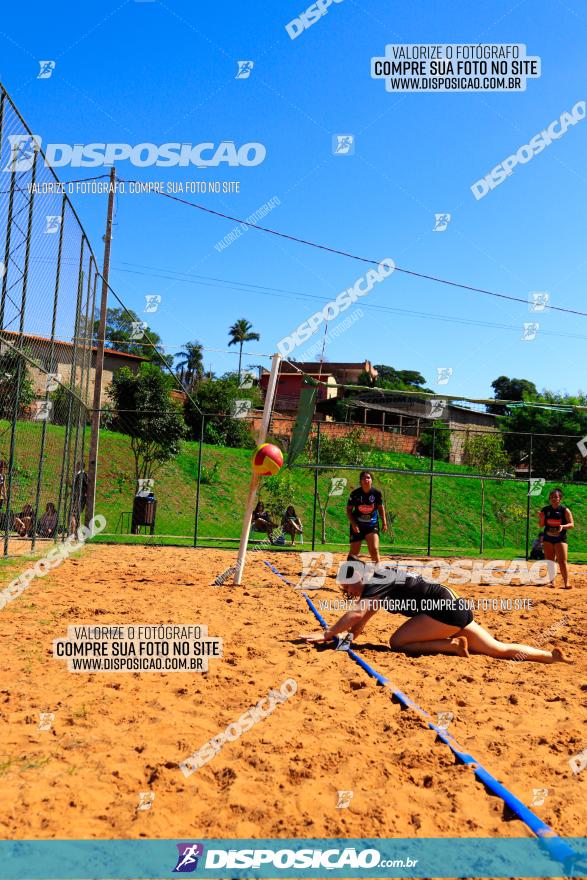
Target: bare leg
x,y
424,635
355,547
562,554
549,555
372,540
482,642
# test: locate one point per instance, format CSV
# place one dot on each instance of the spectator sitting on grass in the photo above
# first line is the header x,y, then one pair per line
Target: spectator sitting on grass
x,y
23,521
3,470
48,522
261,520
291,523
537,551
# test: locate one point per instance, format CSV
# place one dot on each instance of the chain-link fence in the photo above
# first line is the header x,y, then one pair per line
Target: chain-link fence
x,y
48,284
452,481
486,502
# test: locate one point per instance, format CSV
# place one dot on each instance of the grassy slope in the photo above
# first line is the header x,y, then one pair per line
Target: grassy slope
x,y
456,502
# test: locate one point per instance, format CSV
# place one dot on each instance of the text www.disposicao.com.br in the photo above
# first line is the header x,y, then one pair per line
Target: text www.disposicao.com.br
x,y
134,664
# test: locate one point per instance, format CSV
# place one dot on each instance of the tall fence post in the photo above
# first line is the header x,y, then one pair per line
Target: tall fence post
x,y
99,368
316,472
431,490
265,422
528,503
197,516
482,538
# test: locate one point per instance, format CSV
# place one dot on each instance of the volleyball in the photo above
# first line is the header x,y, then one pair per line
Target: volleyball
x,y
267,459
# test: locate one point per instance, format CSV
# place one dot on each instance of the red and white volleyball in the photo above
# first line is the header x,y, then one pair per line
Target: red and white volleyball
x,y
267,459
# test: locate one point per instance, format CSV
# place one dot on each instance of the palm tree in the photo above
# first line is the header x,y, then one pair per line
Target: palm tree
x,y
192,361
239,333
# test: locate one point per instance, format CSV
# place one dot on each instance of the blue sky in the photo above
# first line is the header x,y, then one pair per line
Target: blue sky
x,y
157,72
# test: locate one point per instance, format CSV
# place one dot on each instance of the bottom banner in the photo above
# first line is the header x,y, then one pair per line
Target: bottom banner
x,y
316,857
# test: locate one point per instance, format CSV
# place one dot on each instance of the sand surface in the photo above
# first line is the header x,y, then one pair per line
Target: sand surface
x,y
116,735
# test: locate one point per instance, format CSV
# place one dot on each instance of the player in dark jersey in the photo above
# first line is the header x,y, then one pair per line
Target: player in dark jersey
x,y
556,519
364,507
440,621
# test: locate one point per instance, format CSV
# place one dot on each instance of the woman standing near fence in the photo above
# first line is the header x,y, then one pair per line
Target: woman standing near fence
x,y
556,520
364,508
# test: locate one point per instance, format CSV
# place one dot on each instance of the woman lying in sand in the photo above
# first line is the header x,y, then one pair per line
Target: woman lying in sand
x,y
440,621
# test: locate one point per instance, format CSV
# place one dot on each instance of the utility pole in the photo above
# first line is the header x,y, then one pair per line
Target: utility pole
x,y
99,369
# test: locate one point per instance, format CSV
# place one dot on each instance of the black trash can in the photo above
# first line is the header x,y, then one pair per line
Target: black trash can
x,y
144,512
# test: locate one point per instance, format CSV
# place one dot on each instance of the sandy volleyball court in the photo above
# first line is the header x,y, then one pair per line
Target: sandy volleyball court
x,y
115,735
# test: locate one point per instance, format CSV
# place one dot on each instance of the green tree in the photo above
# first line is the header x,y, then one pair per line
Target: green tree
x,y
145,411
485,453
393,380
191,364
436,436
67,406
508,513
125,332
505,388
241,332
403,380
278,493
10,363
556,428
216,398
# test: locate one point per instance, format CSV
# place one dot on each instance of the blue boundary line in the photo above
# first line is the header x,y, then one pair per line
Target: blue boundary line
x,y
556,846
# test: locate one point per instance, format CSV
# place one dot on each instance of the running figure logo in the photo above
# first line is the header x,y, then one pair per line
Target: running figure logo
x,y
52,223
241,409
153,301
46,719
47,68
443,375
436,408
538,301
344,799
146,799
536,485
530,331
444,719
22,151
52,381
244,69
337,486
315,566
343,144
441,222
138,330
578,762
187,860
42,410
539,795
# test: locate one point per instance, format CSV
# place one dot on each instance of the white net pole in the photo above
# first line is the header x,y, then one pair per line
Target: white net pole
x,y
269,397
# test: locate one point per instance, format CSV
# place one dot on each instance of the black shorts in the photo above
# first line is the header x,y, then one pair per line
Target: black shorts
x,y
364,530
556,539
456,615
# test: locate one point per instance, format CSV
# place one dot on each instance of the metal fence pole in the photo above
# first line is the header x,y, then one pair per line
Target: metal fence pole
x,y
316,472
482,539
99,368
431,489
7,241
55,298
73,409
197,517
21,364
528,512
